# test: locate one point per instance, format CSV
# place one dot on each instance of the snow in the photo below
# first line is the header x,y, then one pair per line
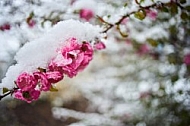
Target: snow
x,y
89,118
116,77
39,52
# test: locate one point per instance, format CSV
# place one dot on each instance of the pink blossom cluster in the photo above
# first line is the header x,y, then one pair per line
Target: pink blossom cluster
x,y
31,85
143,49
31,23
99,46
72,58
186,59
86,14
5,26
152,14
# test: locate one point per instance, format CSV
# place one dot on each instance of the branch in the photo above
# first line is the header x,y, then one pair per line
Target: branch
x,y
8,93
155,5
4,95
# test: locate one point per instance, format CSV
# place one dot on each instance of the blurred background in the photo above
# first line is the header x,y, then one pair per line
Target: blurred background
x,y
138,80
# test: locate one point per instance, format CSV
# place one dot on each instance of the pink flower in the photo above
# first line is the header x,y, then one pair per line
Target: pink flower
x,y
63,62
26,82
186,59
27,96
99,46
143,49
128,42
5,26
18,95
54,76
72,58
31,23
87,50
34,94
80,59
152,14
42,79
86,14
124,21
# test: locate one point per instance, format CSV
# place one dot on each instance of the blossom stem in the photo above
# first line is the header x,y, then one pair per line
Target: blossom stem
x,y
8,93
4,95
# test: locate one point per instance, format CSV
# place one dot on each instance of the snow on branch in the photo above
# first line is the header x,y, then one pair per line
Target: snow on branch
x,y
90,118
65,50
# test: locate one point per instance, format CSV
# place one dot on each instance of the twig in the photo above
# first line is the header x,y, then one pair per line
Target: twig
x,y
8,93
4,95
155,5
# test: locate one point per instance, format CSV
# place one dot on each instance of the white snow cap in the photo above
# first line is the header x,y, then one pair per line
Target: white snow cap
x,y
39,52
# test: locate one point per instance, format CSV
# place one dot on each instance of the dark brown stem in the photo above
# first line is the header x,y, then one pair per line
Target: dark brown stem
x,y
8,93
4,95
108,28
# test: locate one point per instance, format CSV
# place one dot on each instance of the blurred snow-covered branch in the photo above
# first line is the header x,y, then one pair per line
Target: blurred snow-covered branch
x,y
85,118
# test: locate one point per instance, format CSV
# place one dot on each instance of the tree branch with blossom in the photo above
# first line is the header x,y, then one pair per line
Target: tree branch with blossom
x,y
140,14
69,53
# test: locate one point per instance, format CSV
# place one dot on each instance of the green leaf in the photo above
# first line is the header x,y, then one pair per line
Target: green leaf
x,y
76,11
141,1
152,42
140,14
173,29
180,92
182,1
164,9
172,58
5,90
187,8
184,16
125,5
53,89
174,9
31,15
174,78
188,68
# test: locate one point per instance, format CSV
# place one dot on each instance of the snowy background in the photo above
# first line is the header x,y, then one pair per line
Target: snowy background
x,y
134,81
